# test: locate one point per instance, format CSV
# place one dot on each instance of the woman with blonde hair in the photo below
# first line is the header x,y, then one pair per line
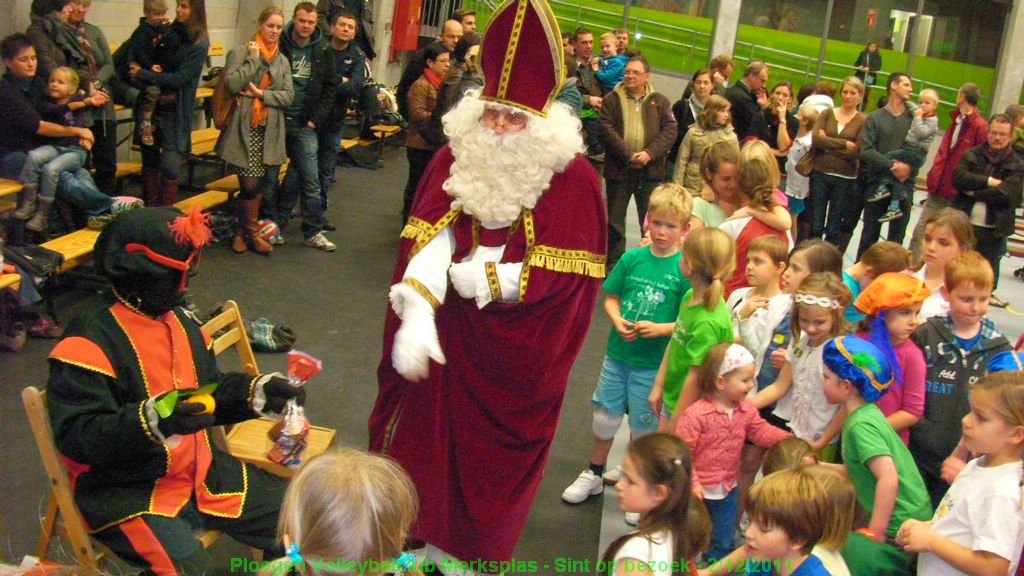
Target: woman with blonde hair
x,y
836,163
714,124
253,143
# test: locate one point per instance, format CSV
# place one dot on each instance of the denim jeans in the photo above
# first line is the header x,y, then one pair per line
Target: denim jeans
x,y
873,228
723,525
833,206
78,189
46,163
302,179
327,161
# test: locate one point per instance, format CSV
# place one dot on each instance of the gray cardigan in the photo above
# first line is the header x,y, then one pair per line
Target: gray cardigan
x,y
240,69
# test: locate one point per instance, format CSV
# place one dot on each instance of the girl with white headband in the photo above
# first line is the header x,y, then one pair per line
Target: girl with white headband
x,y
818,306
715,427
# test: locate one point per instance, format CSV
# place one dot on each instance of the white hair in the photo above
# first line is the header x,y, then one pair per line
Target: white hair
x,y
495,176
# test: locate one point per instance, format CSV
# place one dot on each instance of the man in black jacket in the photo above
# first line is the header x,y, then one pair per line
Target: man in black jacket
x,y
749,99
988,182
301,42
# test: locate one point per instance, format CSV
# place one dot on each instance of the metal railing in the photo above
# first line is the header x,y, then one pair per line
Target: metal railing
x,y
695,52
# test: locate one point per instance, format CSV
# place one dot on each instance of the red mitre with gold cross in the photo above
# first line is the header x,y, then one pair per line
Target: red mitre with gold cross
x,y
521,56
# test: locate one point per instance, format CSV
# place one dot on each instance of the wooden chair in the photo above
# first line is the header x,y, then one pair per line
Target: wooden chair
x,y
249,441
62,516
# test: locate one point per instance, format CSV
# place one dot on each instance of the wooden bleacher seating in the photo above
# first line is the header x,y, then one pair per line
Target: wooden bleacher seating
x,y
249,441
8,187
62,516
230,183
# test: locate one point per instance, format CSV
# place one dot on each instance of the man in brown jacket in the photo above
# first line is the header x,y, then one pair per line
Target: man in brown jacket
x,y
638,129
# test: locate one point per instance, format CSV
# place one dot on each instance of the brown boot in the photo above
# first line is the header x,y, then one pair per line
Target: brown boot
x,y
151,186
41,219
238,242
168,191
27,203
250,225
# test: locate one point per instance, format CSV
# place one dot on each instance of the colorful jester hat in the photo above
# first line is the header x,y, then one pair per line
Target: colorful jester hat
x,y
859,361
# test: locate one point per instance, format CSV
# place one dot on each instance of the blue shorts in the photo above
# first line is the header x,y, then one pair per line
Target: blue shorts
x,y
623,389
796,205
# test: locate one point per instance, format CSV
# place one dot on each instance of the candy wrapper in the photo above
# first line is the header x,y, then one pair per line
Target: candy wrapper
x,y
289,435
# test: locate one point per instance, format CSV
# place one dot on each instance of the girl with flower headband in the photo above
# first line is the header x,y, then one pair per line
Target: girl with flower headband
x,y
892,303
715,427
889,487
346,511
818,306
979,525
708,259
655,483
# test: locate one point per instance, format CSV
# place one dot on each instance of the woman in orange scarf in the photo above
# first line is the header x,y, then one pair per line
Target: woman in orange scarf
x,y
253,143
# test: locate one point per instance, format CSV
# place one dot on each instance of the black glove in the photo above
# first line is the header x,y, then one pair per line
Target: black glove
x,y
279,392
186,419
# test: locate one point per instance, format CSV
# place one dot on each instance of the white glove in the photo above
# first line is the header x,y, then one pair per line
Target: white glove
x,y
416,342
466,277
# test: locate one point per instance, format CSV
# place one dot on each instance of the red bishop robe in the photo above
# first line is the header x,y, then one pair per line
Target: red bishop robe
x,y
475,434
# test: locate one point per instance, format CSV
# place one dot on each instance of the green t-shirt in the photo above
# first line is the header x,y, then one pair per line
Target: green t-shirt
x,y
697,331
866,435
649,288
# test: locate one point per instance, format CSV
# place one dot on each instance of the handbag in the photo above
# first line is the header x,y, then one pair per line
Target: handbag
x,y
222,103
35,260
806,164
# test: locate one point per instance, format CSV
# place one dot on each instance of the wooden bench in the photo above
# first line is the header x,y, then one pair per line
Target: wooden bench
x,y
124,170
230,183
8,187
75,246
383,132
204,142
204,200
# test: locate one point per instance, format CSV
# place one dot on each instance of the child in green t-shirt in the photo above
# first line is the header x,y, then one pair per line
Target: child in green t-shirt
x,y
644,292
889,487
709,256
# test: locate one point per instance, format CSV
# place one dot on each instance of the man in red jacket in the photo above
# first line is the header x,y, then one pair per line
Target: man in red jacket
x,y
968,130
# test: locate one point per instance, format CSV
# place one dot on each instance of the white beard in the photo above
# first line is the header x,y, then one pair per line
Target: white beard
x,y
495,176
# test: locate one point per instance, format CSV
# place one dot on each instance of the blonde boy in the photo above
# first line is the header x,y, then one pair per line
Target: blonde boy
x,y
644,292
957,349
610,66
757,310
880,258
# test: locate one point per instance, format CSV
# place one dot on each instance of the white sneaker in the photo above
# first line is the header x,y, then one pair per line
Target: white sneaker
x,y
632,518
612,476
320,242
586,485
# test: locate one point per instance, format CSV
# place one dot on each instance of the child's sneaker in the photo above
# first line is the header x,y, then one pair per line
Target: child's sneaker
x,y
891,215
146,131
612,475
881,193
586,485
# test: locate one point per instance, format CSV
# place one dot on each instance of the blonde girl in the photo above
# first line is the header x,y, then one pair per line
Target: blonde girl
x,y
758,183
716,427
798,185
708,259
347,505
714,124
655,483
979,526
817,317
892,303
947,234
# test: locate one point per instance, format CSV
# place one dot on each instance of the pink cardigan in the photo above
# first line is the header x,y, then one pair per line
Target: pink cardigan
x,y
716,441
910,396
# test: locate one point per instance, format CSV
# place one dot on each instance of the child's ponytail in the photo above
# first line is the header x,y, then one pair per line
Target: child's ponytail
x,y
711,255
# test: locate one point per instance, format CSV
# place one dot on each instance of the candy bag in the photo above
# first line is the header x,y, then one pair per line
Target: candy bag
x,y
289,434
